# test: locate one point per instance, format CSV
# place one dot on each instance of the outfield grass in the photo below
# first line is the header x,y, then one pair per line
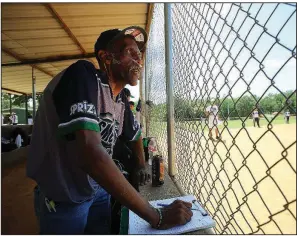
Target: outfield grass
x,y
236,124
263,122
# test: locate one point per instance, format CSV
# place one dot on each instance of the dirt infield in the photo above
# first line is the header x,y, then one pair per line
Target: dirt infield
x,y
259,197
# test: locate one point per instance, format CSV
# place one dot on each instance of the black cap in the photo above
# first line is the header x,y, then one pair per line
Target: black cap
x,y
127,92
106,37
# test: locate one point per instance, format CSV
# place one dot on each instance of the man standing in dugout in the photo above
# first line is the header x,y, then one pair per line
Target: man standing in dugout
x,y
79,118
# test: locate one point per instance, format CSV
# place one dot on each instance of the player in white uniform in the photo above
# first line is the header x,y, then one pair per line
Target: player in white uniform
x,y
213,120
287,117
256,118
14,118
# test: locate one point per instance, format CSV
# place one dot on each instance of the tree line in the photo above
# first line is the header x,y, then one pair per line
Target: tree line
x,y
17,101
185,109
233,108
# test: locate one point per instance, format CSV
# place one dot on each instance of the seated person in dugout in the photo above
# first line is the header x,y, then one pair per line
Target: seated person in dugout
x,y
131,105
79,118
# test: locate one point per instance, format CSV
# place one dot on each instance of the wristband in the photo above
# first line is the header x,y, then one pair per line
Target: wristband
x,y
160,218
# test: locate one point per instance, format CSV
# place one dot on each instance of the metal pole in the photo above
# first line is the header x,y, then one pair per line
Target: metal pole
x,y
48,60
146,97
169,90
26,105
34,93
10,104
228,111
2,107
141,97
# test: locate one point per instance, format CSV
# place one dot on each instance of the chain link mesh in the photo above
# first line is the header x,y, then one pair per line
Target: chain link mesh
x,y
238,57
157,86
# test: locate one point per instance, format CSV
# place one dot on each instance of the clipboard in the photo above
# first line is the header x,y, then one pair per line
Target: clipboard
x,y
139,226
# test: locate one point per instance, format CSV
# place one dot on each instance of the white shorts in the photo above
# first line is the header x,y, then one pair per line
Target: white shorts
x,y
212,122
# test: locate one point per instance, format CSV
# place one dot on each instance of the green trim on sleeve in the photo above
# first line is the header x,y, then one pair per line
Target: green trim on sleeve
x,y
137,135
78,125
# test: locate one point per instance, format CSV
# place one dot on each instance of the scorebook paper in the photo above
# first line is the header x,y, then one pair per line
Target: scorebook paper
x,y
139,226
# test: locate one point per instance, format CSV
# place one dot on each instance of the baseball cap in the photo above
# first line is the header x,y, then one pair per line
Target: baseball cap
x,y
127,92
107,37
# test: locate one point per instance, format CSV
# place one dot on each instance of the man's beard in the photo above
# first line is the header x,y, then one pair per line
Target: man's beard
x,y
127,75
128,72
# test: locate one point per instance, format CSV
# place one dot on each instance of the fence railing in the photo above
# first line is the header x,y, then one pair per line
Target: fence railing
x,y
236,57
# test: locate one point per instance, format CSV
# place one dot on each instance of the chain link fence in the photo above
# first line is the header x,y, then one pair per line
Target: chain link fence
x,y
156,81
235,58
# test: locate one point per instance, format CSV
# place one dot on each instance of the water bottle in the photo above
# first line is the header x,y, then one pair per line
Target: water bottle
x,y
152,149
158,174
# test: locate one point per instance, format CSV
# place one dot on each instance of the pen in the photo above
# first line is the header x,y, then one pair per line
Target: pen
x,y
203,213
165,205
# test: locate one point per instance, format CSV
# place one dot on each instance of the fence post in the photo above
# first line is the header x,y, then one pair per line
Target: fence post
x,y
142,99
10,104
169,90
34,93
26,106
146,97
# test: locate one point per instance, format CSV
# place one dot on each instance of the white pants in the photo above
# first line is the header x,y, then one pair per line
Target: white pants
x,y
212,122
18,141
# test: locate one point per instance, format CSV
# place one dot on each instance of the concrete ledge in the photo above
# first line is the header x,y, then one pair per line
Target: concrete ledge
x,y
168,190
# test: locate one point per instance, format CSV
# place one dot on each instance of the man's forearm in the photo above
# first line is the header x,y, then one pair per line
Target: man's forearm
x,y
98,164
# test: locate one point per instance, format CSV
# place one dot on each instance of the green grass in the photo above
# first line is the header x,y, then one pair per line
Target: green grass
x,y
235,124
160,127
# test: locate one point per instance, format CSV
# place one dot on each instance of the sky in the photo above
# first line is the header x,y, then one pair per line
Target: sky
x,y
187,58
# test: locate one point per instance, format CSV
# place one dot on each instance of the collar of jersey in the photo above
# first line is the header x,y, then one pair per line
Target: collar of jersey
x,y
104,79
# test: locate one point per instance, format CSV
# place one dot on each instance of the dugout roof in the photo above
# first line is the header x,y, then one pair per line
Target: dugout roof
x,y
50,36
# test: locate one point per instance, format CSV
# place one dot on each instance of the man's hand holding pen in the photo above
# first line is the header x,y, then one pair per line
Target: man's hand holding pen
x,y
176,213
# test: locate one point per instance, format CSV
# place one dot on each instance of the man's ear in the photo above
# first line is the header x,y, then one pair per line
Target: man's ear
x,y
104,56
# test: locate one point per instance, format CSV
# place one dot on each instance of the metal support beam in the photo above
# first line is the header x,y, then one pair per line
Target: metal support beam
x,y
140,95
10,104
26,106
146,98
149,17
14,55
144,57
34,93
169,90
49,60
64,26
12,91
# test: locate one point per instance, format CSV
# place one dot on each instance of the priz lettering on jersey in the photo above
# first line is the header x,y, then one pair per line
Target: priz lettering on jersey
x,y
83,107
